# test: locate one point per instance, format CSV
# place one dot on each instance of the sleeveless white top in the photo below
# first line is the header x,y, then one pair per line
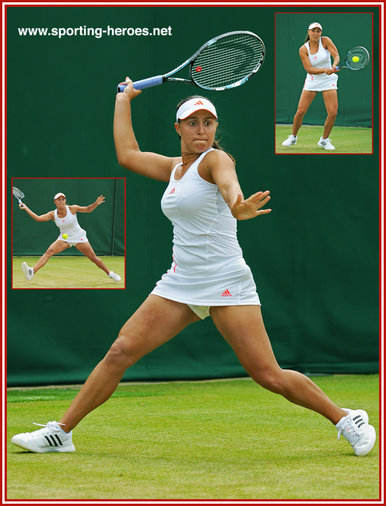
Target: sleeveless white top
x,y
69,225
321,59
208,267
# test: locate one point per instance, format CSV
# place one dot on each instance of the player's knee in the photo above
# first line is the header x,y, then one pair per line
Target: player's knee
x,y
333,113
270,379
301,112
122,354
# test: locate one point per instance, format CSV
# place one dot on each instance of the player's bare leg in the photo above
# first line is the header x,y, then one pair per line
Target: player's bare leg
x,y
86,249
243,328
305,101
56,247
330,98
155,322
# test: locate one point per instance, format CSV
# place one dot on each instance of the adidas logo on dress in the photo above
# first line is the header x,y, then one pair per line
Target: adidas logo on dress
x,y
227,293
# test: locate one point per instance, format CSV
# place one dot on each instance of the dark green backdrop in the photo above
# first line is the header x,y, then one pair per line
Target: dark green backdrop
x,y
314,258
346,30
105,226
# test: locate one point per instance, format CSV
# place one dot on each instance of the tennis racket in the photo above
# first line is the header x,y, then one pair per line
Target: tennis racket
x,y
18,194
357,59
226,61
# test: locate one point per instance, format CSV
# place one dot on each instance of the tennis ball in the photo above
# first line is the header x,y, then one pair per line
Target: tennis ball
x,y
355,59
64,236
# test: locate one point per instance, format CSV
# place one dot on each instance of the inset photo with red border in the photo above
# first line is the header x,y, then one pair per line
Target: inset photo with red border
x,y
324,83
68,233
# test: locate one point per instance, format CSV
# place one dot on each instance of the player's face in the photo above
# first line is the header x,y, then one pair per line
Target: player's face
x,y
197,131
60,201
315,34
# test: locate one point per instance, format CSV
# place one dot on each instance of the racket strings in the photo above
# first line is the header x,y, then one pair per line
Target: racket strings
x,y
17,193
227,61
357,58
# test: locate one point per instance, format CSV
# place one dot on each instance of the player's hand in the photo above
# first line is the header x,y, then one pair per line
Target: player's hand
x,y
22,206
100,200
250,207
130,91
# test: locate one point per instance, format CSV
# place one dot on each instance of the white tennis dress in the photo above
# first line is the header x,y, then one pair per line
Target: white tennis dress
x,y
69,225
208,267
322,59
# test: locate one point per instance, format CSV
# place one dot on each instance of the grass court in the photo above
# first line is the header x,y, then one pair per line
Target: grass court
x,y
69,272
223,439
345,139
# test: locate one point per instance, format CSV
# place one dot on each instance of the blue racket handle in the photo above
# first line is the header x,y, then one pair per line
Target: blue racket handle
x,y
144,83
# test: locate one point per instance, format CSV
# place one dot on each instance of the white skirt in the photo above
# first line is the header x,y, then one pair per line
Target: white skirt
x,y
321,82
74,238
232,287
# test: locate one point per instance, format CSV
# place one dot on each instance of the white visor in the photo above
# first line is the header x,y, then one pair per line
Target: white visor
x,y
315,25
59,195
193,105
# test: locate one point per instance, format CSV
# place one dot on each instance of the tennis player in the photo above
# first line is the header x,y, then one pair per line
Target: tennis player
x,y
315,55
208,277
66,220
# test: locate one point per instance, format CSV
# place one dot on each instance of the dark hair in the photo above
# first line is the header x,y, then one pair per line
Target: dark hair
x,y
216,144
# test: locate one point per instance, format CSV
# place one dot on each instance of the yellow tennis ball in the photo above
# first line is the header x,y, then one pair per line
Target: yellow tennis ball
x,y
355,59
64,236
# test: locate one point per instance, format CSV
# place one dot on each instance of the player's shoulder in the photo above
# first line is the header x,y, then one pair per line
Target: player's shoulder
x,y
303,49
218,157
325,40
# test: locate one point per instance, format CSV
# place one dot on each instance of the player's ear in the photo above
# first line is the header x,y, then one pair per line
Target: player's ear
x,y
178,128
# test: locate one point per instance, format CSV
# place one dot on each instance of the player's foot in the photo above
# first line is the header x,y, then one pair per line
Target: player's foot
x,y
115,277
290,141
326,144
28,271
356,429
49,439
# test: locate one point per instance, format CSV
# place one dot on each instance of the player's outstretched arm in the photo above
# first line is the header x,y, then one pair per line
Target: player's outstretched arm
x,y
42,217
87,209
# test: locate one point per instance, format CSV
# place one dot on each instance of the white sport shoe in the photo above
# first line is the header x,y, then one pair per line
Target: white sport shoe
x,y
290,141
326,144
356,429
28,271
115,277
362,412
49,439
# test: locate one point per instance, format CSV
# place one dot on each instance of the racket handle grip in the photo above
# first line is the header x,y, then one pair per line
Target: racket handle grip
x,y
144,83
337,67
